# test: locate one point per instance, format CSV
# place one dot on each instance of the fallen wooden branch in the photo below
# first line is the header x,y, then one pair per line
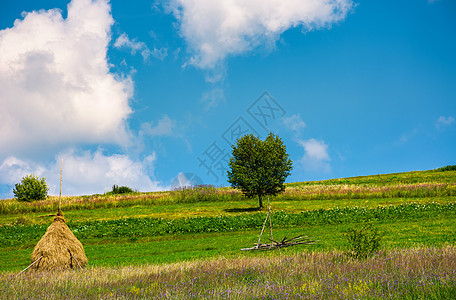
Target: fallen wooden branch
x,y
282,244
299,240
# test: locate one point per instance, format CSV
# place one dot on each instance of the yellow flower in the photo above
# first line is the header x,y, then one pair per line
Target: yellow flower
x,y
312,288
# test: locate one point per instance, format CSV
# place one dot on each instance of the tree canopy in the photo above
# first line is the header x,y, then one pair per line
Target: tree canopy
x,y
31,188
259,168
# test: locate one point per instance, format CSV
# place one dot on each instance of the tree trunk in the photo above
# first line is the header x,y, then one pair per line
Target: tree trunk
x,y
261,201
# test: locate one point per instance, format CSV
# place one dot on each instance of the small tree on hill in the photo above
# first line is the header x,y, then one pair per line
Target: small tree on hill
x,y
259,168
31,188
121,190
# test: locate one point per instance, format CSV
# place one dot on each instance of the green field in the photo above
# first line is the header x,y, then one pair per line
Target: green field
x,y
413,210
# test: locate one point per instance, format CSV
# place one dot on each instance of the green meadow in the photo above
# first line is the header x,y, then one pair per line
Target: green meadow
x,y
181,231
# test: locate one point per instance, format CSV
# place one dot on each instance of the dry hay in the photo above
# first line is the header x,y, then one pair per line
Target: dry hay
x,y
58,248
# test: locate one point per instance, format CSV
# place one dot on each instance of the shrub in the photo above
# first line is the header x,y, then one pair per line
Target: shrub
x,y
31,188
121,190
363,241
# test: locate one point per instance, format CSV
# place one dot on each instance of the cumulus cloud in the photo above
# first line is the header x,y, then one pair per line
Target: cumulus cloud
x,y
12,170
89,173
444,122
59,87
85,172
316,157
215,30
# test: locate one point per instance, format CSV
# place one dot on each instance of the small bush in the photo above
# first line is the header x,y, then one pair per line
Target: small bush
x,y
121,190
31,188
363,242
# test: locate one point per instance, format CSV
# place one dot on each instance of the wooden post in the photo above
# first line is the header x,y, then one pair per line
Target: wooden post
x,y
262,229
75,259
270,222
30,265
60,195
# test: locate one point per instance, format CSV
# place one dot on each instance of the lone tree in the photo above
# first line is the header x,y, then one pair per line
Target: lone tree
x,y
259,168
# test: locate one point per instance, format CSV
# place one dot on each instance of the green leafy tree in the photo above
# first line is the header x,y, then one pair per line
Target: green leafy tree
x,y
31,188
259,168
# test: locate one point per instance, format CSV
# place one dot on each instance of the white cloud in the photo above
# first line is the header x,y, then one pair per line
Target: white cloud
x,y
56,85
215,30
316,157
90,173
213,98
85,173
123,41
294,123
12,170
444,121
160,54
164,126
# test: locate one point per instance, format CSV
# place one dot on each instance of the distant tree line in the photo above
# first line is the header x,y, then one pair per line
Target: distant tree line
x,y
447,168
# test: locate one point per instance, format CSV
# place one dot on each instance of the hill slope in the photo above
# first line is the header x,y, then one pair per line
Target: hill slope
x,y
413,208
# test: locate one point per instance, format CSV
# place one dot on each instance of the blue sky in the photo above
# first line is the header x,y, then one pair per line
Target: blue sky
x,y
150,94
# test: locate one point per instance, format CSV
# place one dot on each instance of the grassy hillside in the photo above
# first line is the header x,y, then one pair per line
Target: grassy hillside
x,y
410,209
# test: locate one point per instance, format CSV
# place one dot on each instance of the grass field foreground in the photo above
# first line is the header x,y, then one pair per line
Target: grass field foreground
x,y
420,273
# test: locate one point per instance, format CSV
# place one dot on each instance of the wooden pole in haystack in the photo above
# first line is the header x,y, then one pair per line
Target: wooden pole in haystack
x,y
30,265
60,194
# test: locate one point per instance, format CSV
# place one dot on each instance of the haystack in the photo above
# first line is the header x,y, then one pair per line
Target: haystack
x,y
58,248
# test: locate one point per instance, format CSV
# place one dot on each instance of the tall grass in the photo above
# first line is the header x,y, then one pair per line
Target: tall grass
x,y
13,206
352,191
212,194
443,175
420,273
